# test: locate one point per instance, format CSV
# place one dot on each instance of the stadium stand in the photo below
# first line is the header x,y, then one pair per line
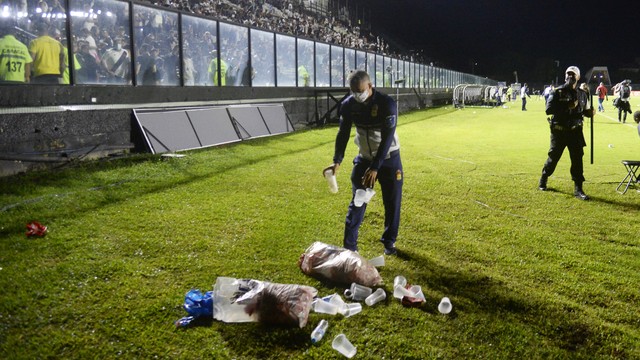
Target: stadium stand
x,y
125,55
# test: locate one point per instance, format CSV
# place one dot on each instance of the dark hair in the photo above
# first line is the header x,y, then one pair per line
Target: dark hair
x,y
636,116
7,26
42,27
358,76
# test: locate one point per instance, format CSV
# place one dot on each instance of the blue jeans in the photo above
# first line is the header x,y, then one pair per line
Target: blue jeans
x,y
390,178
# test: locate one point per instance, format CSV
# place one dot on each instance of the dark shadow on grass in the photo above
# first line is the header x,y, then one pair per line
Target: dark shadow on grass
x,y
201,321
625,205
592,198
550,190
255,339
162,184
259,341
11,185
476,292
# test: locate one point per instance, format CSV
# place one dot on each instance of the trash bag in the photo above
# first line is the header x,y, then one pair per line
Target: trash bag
x,y
338,265
247,300
197,305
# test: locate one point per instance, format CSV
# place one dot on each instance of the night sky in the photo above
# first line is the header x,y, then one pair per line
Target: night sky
x,y
519,35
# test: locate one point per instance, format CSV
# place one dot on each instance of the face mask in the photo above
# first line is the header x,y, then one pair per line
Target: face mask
x,y
360,97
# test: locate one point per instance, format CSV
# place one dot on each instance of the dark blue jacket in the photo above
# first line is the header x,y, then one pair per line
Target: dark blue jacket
x,y
375,122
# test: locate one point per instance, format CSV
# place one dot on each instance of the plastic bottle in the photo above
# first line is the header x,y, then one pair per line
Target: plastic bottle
x,y
318,332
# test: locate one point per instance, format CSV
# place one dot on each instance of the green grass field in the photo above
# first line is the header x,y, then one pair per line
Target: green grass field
x,y
531,274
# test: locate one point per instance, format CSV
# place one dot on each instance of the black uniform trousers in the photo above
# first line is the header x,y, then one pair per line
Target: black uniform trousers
x,y
561,139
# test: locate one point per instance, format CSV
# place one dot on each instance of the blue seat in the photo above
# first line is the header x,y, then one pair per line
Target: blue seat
x,y
632,167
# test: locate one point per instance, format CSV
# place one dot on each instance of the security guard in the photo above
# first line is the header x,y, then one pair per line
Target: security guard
x,y
15,59
568,104
48,57
303,76
218,78
374,115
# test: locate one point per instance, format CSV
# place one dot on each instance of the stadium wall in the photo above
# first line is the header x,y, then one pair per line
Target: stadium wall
x,y
48,126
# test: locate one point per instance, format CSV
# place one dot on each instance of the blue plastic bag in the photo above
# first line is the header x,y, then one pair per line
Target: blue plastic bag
x,y
197,305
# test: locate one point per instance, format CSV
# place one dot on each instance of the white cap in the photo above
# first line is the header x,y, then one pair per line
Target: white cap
x,y
575,70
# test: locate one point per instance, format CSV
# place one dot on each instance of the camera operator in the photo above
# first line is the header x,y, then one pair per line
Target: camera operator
x,y
567,105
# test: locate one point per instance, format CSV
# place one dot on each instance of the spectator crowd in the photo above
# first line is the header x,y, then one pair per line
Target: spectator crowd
x,y
102,44
284,16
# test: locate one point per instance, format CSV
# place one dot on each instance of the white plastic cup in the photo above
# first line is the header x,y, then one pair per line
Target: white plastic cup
x,y
376,297
348,294
445,305
416,290
324,307
359,197
368,194
341,344
377,261
399,280
352,309
331,180
339,303
400,291
359,292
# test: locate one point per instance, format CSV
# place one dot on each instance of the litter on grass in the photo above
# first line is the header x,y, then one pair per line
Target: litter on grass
x,y
408,294
197,305
34,228
338,265
245,300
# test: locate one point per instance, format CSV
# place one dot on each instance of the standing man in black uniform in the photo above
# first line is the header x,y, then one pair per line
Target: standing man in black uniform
x,y
568,104
374,115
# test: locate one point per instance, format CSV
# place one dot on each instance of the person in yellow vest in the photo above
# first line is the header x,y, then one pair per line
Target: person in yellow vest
x,y
15,60
76,65
303,76
213,70
48,57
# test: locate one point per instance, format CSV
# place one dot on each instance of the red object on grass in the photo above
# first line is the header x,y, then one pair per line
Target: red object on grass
x,y
34,228
409,301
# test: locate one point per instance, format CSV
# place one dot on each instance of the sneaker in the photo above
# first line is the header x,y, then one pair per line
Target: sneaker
x,y
390,250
